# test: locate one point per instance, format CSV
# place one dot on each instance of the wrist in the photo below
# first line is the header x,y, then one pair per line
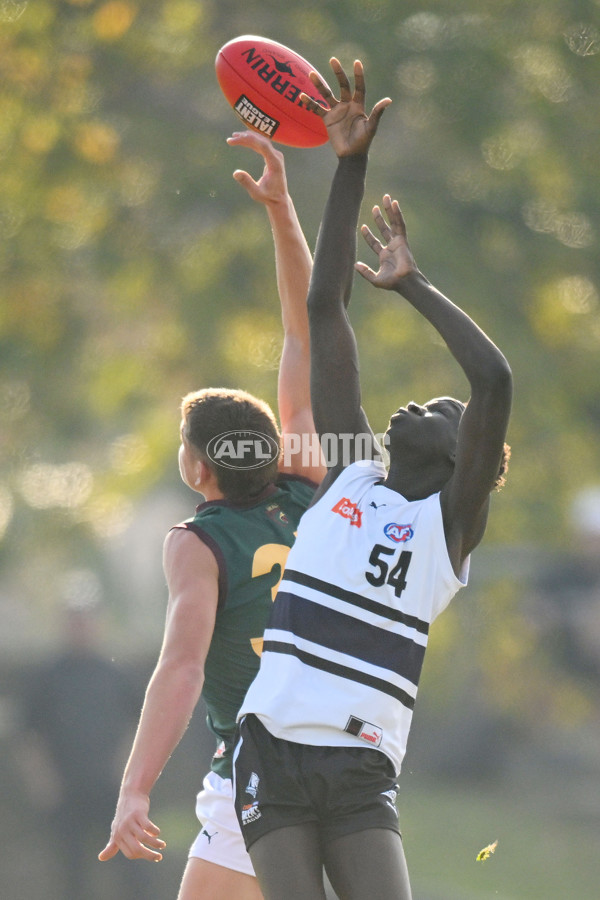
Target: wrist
x,y
135,785
280,207
409,283
351,173
354,161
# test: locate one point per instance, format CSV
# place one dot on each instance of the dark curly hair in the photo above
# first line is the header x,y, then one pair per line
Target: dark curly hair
x,y
211,412
503,470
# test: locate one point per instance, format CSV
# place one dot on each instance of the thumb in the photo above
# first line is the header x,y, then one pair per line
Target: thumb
x,y
109,851
378,110
365,271
245,180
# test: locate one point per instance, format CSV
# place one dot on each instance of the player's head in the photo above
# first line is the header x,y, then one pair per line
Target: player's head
x,y
240,463
428,435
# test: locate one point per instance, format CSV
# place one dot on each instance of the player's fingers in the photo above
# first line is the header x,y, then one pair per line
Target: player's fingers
x,y
394,214
377,112
153,830
384,228
140,851
109,851
257,142
342,79
371,240
365,271
150,835
260,145
248,139
312,105
245,180
359,82
142,846
323,88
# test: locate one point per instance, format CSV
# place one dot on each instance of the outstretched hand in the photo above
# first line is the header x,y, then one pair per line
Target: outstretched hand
x,y
350,129
132,831
271,187
395,257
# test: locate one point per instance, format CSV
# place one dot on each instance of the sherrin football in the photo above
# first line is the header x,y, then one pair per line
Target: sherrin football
x,y
263,80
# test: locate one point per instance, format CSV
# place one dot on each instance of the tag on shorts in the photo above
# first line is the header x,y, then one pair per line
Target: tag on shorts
x,y
366,731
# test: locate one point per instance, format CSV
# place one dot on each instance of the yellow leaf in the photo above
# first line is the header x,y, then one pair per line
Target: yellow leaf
x,y
486,852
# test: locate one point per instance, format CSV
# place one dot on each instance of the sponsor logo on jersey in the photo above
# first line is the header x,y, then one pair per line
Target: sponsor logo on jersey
x,y
348,510
399,534
252,786
274,511
366,731
254,116
220,751
250,813
242,449
207,835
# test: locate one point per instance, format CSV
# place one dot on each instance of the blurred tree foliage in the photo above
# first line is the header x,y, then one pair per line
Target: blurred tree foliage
x,y
134,269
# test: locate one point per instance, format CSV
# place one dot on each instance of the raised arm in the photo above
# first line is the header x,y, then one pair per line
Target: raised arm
x,y
482,429
335,384
293,263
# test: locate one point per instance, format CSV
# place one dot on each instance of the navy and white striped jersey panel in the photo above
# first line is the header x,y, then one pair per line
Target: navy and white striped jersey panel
x,y
346,639
382,645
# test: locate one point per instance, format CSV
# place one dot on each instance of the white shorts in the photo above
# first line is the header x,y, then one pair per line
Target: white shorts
x,y
220,840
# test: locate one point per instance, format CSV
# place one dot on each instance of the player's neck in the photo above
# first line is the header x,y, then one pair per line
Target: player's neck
x,y
211,492
414,483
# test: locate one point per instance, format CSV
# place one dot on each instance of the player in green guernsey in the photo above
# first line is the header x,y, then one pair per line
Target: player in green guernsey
x,y
223,566
251,544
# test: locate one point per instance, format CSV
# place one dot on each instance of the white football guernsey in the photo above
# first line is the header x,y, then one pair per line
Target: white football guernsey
x,y
344,646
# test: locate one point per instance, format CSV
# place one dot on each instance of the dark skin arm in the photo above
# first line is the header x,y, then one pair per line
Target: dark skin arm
x,y
482,430
335,385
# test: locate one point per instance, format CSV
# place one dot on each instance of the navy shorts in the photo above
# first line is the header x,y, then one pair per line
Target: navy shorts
x,y
281,783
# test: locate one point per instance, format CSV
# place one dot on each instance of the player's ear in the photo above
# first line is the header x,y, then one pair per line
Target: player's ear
x,y
204,471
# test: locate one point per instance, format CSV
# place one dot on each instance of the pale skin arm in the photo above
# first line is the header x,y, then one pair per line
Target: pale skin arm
x,y
173,691
293,264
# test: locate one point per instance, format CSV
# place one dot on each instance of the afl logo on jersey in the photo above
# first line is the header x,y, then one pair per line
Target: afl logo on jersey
x,y
399,534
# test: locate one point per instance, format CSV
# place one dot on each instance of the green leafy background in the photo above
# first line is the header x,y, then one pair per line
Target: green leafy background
x,y
134,269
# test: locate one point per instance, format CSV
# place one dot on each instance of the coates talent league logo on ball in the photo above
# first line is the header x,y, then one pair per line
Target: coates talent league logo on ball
x,y
242,449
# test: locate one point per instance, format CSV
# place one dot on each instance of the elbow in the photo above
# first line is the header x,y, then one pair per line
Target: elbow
x,y
493,385
329,292
498,378
186,673
316,301
501,389
504,376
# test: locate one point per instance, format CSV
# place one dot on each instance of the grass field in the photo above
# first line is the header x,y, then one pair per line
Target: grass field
x,y
548,838
548,841
543,808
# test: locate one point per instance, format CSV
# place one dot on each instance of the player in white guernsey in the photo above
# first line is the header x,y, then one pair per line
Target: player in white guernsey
x,y
379,554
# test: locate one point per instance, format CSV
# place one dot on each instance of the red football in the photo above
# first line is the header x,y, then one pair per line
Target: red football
x,y
263,80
